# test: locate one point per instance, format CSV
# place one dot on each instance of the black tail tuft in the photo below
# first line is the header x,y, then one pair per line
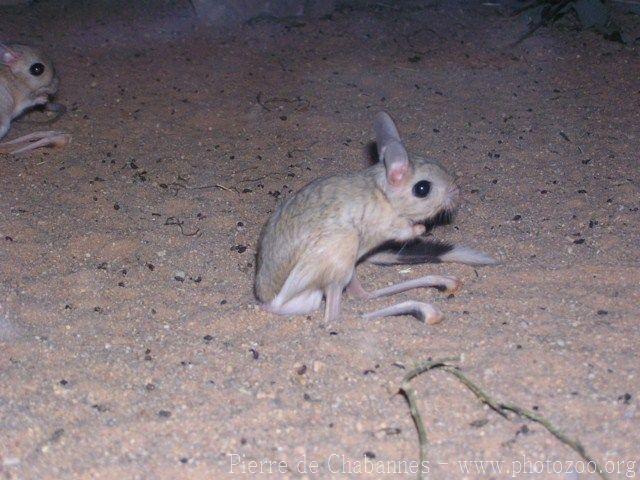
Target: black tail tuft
x,y
405,253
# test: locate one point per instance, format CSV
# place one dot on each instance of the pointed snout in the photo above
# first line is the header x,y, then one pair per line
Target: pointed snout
x,y
53,86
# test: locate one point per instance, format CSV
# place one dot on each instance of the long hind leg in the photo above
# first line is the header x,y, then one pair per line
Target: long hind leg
x,y
333,296
448,284
35,140
425,312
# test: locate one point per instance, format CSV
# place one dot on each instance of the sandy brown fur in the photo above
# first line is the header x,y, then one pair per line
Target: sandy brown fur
x,y
311,245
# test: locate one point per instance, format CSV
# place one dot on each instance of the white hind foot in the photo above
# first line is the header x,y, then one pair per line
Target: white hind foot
x,y
308,302
424,312
301,304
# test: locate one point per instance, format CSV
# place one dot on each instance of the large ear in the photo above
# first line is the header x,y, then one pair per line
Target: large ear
x,y
390,149
7,56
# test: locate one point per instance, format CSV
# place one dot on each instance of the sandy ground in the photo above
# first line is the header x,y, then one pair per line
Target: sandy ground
x,y
130,343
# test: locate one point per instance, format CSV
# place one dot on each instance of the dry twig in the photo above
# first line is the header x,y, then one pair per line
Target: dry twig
x,y
499,407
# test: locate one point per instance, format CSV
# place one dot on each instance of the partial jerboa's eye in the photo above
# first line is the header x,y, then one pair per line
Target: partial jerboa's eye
x,y
36,69
421,189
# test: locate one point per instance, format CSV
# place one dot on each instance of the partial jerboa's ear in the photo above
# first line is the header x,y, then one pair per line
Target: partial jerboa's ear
x,y
7,56
390,149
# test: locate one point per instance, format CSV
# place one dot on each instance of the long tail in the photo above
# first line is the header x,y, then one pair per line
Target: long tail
x,y
426,251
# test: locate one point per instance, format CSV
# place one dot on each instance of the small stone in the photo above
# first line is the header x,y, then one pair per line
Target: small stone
x,y
56,435
479,423
164,413
626,398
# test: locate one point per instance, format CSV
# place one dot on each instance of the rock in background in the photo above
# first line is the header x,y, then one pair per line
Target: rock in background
x,y
232,12
4,3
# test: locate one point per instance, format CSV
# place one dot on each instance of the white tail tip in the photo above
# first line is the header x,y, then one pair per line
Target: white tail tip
x,y
467,256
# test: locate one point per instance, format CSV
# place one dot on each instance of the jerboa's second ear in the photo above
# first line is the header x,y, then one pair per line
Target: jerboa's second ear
x,y
7,56
390,149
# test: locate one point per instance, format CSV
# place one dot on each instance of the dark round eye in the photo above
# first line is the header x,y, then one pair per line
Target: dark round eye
x,y
36,69
421,189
